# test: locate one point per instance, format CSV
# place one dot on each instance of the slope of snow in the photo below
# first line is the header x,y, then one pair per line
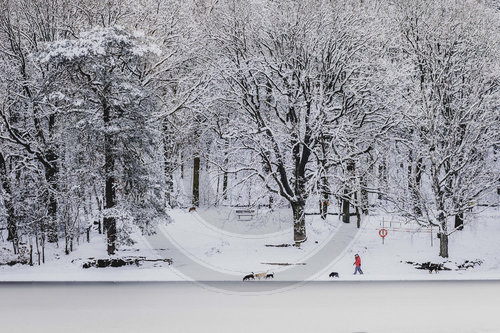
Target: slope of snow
x,y
202,250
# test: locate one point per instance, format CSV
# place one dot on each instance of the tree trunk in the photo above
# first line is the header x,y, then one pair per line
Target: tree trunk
x,y
325,197
358,215
459,221
109,223
224,183
382,178
323,207
196,182
168,162
345,207
364,202
414,180
31,254
51,174
443,239
299,222
51,177
110,194
9,207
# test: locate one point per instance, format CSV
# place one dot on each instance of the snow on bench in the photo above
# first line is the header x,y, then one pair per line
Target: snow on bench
x,y
245,213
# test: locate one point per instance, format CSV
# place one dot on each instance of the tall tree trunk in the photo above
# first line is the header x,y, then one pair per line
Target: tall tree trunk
x,y
347,195
325,196
443,237
168,162
9,207
382,178
358,215
196,181
109,222
364,202
51,177
324,186
299,222
414,180
323,206
226,162
346,214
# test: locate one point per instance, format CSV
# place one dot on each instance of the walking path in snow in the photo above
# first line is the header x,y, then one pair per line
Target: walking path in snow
x,y
190,235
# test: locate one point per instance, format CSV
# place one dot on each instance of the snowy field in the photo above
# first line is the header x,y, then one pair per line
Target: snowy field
x,y
213,245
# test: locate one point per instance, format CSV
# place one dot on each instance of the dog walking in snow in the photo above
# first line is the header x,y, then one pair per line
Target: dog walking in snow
x,y
249,277
261,275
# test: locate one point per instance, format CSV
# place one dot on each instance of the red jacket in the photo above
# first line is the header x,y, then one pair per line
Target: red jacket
x,y
358,261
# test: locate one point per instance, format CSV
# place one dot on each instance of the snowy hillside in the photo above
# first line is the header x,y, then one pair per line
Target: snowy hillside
x,y
204,251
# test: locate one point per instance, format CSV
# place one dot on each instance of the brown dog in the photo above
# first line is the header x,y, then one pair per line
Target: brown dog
x,y
192,209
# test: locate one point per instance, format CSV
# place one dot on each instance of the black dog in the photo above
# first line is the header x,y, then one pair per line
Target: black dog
x,y
270,276
249,277
334,274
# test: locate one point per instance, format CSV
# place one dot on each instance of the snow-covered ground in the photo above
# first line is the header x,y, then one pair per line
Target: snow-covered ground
x,y
213,245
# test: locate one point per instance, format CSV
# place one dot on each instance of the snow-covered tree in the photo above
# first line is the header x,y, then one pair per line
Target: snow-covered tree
x,y
99,79
294,81
449,108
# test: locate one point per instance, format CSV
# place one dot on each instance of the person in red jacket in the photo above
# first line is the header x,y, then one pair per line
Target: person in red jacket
x,y
357,262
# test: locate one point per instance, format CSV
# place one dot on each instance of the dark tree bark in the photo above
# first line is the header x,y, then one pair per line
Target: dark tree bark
x,y
109,222
347,195
382,178
196,181
459,221
11,220
443,236
299,225
51,177
346,206
323,207
324,185
168,162
224,179
364,202
414,181
358,214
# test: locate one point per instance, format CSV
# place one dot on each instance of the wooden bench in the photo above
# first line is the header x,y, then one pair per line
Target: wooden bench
x,y
245,213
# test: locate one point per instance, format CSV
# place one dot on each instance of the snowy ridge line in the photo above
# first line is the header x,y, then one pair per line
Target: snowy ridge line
x,y
235,235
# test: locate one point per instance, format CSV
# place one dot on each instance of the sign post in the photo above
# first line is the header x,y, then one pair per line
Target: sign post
x,y
382,232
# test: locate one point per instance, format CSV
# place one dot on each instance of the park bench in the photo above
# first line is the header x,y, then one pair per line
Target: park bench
x,y
245,213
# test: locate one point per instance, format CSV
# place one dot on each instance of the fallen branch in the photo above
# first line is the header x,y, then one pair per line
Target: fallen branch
x,y
119,262
282,263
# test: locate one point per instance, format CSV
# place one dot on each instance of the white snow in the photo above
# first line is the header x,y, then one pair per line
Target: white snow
x,y
203,250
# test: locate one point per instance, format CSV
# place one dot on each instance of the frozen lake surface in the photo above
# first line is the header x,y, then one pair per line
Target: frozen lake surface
x,y
372,307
